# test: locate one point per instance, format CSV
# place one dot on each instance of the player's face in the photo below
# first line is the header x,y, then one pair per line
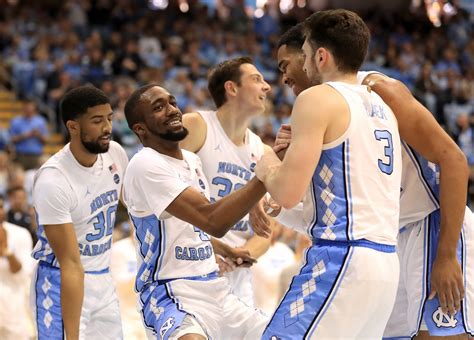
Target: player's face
x,y
253,89
310,67
96,128
290,64
165,119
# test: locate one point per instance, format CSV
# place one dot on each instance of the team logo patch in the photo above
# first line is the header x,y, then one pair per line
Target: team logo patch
x,y
442,319
167,325
116,179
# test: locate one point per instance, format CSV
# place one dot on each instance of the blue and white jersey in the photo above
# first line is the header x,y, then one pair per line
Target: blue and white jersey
x,y
167,247
419,191
229,167
66,192
355,189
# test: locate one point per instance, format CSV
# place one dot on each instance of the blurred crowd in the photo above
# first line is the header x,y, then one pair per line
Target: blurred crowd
x,y
49,47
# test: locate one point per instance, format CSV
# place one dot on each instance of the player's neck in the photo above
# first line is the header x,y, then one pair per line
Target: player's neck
x,y
233,123
350,78
82,156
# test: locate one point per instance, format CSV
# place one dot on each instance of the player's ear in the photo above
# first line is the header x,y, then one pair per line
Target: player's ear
x,y
139,130
73,127
230,87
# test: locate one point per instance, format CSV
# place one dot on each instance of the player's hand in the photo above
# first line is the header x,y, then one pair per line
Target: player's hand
x,y
259,220
241,257
282,140
271,207
266,164
225,265
447,283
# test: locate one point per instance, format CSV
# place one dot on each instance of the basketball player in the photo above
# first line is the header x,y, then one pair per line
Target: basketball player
x,y
229,151
417,244
167,198
75,195
345,154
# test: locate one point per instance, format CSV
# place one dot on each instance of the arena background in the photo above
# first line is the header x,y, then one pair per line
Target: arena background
x,y
48,47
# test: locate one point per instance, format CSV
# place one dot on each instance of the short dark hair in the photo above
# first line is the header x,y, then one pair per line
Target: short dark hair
x,y
293,38
132,114
343,33
77,101
227,70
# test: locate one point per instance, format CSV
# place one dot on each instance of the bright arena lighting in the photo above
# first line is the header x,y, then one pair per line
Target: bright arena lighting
x,y
184,7
286,6
158,4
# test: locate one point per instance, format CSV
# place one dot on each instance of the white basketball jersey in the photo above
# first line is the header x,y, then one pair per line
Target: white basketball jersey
x,y
354,193
229,167
167,247
66,192
419,192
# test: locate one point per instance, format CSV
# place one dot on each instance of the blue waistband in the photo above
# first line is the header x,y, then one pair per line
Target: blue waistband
x,y
206,277
384,248
93,272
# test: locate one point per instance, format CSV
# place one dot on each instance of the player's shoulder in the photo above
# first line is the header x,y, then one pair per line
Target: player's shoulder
x,y
254,138
322,98
116,150
196,117
147,160
191,157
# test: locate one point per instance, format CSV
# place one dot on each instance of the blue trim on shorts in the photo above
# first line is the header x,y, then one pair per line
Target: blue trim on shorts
x,y
49,322
384,248
309,293
332,294
92,272
437,323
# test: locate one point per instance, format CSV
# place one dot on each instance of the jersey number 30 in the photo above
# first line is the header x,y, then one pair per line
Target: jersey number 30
x,y
102,224
385,165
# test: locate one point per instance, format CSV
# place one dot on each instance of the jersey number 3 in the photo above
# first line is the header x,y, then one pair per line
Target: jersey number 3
x,y
385,165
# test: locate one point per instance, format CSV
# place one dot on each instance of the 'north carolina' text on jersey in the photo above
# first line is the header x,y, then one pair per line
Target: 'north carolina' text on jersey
x,y
167,247
228,167
66,192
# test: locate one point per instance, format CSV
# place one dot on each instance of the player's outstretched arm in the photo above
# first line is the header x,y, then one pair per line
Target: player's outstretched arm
x,y
63,241
216,219
287,181
197,129
421,131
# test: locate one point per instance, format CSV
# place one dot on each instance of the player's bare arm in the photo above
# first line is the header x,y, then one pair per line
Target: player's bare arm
x,y
63,241
197,132
421,131
257,245
216,219
287,181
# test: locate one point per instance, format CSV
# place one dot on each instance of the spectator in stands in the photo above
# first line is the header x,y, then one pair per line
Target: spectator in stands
x,y
20,212
15,275
28,134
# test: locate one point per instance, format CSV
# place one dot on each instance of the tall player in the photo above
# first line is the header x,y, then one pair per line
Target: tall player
x,y
345,154
75,195
229,151
417,244
167,197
